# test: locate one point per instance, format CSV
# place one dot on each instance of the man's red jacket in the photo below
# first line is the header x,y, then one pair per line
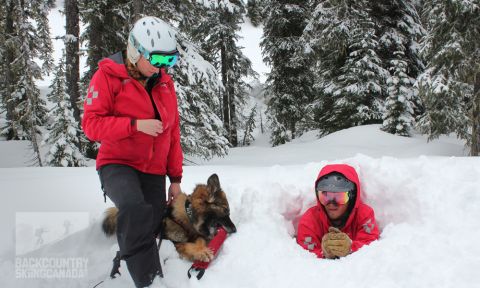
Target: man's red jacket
x,y
113,102
361,226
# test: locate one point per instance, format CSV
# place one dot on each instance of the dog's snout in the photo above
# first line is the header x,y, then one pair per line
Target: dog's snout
x,y
228,225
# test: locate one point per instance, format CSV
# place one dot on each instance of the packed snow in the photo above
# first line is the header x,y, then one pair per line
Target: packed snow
x,y
426,206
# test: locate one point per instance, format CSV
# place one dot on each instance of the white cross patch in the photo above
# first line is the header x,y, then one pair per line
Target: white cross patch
x,y
92,94
368,226
308,242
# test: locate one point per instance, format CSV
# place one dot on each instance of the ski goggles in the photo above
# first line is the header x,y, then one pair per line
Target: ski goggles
x,y
340,198
160,60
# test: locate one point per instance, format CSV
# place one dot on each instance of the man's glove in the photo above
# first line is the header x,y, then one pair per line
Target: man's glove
x,y
336,244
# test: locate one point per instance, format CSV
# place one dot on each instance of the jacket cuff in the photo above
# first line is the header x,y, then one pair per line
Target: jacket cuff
x,y
133,125
175,179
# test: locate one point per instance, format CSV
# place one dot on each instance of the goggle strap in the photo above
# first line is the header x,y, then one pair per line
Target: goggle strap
x,y
139,47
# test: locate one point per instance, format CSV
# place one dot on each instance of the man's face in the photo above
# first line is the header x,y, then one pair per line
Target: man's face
x,y
334,210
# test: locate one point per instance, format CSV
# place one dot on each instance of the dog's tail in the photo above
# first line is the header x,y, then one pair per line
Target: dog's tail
x,y
109,224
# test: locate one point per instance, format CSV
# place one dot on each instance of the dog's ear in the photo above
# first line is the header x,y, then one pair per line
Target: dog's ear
x,y
213,184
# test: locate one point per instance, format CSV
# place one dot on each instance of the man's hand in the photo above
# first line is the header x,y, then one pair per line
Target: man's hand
x,y
173,191
336,243
152,127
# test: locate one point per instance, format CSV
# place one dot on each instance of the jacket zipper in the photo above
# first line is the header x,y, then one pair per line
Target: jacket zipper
x,y
155,108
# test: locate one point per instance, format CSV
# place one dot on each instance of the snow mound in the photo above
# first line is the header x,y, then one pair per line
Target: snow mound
x,y
427,209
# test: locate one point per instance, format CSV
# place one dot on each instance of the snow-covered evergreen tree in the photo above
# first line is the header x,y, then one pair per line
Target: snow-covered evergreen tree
x,y
218,37
107,25
399,29
450,87
72,57
198,90
62,137
250,125
357,47
26,39
255,11
290,81
358,88
197,83
342,37
398,118
3,66
41,8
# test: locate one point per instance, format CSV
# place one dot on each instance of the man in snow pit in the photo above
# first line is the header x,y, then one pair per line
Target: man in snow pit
x,y
131,108
340,223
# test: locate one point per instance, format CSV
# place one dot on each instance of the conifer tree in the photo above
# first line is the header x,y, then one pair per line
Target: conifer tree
x,y
41,9
351,72
357,47
24,42
218,35
72,59
197,91
450,86
249,127
27,39
399,28
255,12
358,88
198,87
398,118
3,65
289,84
62,138
106,30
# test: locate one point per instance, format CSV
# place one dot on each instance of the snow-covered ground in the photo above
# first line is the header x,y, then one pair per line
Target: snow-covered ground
x,y
426,206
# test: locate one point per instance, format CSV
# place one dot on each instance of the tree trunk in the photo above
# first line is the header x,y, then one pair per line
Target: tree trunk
x,y
33,140
95,47
475,149
9,76
233,116
137,10
72,48
292,129
226,101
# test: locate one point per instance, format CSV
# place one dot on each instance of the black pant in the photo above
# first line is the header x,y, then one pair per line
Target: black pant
x,y
140,199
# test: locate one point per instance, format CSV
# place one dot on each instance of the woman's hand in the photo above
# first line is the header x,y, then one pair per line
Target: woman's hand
x,y
173,192
152,127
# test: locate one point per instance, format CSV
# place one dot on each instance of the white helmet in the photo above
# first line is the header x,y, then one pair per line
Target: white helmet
x,y
149,35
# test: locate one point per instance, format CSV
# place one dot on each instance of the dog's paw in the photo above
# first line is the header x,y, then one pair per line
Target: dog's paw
x,y
205,255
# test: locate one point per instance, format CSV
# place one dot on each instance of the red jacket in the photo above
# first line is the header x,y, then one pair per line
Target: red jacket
x,y
361,226
114,100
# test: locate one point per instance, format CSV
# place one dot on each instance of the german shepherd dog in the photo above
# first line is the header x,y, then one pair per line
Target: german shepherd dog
x,y
191,220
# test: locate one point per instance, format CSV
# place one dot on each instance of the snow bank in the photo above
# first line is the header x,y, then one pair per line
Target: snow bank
x,y
427,209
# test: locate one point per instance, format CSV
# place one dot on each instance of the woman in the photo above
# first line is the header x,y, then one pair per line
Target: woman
x,y
131,109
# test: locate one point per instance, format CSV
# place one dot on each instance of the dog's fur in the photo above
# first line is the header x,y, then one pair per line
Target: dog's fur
x,y
190,233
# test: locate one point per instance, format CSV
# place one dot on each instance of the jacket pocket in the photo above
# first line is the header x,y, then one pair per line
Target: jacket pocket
x,y
135,149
